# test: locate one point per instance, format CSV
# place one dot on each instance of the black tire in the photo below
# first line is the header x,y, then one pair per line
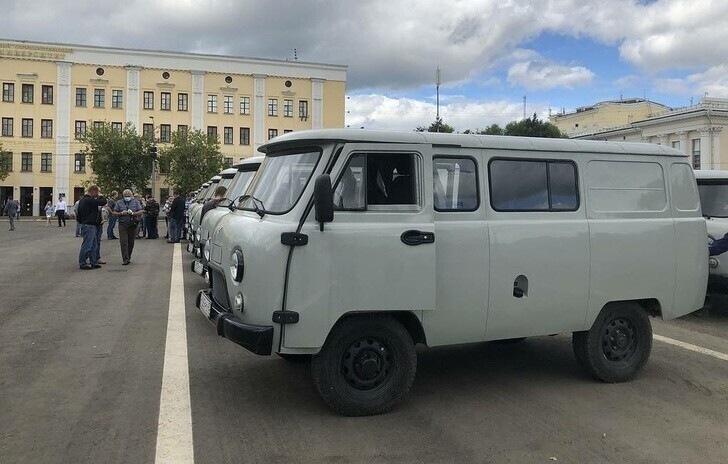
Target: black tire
x,y
618,344
295,358
366,366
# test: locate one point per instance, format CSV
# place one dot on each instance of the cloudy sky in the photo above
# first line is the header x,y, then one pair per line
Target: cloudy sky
x,y
560,54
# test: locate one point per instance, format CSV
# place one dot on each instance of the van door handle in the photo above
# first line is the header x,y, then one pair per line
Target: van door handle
x,y
417,237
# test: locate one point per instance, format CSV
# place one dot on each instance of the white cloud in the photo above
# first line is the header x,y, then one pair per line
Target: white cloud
x,y
543,74
713,81
377,111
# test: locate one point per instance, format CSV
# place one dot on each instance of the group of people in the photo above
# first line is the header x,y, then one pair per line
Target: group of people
x,y
58,210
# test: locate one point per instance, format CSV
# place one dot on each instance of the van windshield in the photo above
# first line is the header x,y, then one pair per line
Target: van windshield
x,y
280,182
714,198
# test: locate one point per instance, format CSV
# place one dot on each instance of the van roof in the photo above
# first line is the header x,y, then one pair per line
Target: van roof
x,y
469,141
249,164
711,174
228,173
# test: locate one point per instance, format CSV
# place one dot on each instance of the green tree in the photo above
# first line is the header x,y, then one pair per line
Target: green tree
x,y
119,159
533,127
192,159
4,164
493,129
436,126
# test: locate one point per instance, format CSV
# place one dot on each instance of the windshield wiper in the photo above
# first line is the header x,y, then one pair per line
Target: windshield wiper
x,y
259,210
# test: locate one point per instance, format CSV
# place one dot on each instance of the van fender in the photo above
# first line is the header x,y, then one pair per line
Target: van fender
x,y
652,306
411,321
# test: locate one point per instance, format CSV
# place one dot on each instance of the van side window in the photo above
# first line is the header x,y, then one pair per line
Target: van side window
x,y
455,184
377,179
533,185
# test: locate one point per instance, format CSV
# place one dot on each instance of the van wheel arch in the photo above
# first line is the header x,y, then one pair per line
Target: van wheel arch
x,y
408,319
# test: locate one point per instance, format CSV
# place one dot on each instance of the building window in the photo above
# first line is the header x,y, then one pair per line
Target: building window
x,y
80,131
272,107
148,131
182,130
99,125
303,110
116,127
227,135
27,128
46,162
26,162
244,105
696,153
228,104
287,131
46,128
182,102
99,98
80,96
165,103
148,100
228,160
28,90
46,96
287,108
212,103
8,92
79,163
272,133
245,136
212,132
117,98
165,133
676,145
7,127
7,159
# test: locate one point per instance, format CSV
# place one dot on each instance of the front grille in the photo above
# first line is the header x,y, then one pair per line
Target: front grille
x,y
219,289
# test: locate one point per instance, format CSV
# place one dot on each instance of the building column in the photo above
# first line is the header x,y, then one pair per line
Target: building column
x,y
197,106
715,146
132,96
260,110
317,105
684,142
63,162
705,161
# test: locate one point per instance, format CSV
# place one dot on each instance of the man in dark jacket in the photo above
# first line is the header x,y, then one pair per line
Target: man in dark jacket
x,y
176,218
11,210
151,212
88,216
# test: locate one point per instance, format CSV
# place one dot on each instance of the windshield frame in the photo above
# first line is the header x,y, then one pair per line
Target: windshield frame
x,y
299,150
710,183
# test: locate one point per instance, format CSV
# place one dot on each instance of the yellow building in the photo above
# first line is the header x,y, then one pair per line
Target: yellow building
x,y
51,93
606,114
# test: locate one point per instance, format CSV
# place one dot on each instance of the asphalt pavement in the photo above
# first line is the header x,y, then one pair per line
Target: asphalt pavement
x,y
82,356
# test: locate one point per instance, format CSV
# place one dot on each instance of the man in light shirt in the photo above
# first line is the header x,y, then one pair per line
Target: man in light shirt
x,y
61,211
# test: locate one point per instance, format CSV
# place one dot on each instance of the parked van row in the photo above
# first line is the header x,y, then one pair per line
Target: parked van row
x,y
351,247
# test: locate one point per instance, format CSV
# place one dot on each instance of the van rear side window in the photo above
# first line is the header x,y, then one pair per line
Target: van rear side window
x,y
455,184
626,187
533,185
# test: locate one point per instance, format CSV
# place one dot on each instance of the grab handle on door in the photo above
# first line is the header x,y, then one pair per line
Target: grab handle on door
x,y
417,237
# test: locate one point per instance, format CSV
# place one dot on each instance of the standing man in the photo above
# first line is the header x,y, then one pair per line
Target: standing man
x,y
75,215
165,208
176,218
151,212
11,209
88,216
112,219
61,211
188,202
128,210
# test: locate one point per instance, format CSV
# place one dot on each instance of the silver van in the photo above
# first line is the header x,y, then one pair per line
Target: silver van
x,y
351,247
713,189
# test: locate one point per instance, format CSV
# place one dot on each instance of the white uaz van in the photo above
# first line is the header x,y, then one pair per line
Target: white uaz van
x,y
354,246
246,169
713,189
196,206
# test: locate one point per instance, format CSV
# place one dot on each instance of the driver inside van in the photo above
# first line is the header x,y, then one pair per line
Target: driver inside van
x,y
719,246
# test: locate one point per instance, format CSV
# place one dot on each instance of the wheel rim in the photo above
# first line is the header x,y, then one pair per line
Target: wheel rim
x,y
619,340
365,363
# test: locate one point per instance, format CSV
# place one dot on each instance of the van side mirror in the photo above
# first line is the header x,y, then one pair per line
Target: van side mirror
x,y
323,199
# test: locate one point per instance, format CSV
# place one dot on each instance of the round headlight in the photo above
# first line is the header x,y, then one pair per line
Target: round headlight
x,y
236,265
206,251
238,303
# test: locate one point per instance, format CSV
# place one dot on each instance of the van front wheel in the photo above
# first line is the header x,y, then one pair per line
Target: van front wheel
x,y
366,366
618,345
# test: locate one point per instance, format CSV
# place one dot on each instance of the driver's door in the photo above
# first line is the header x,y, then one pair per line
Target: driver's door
x,y
378,254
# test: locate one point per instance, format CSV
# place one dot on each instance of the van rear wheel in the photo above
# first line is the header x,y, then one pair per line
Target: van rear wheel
x,y
366,366
618,344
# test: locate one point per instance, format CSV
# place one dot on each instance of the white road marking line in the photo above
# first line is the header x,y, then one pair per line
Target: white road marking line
x,y
174,432
688,346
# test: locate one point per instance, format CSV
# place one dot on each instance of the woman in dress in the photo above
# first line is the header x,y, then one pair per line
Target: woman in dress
x,y
49,211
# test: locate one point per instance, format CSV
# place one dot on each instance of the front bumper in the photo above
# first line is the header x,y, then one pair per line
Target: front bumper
x,y
256,338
